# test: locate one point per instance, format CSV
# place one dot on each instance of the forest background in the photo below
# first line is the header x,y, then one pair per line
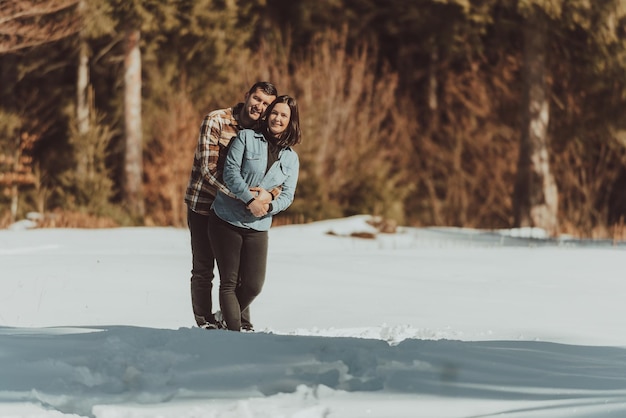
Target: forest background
x,y
469,113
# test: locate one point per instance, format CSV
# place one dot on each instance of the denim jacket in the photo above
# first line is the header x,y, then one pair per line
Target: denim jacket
x,y
244,168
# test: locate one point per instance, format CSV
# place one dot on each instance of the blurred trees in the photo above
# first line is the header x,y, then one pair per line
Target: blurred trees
x,y
25,24
432,112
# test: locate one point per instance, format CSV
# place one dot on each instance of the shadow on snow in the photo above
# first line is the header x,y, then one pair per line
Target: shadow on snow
x,y
72,370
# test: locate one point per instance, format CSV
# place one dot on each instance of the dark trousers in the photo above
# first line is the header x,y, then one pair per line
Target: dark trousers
x,y
241,256
203,263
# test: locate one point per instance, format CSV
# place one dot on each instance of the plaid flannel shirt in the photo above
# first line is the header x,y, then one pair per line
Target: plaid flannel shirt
x,y
217,130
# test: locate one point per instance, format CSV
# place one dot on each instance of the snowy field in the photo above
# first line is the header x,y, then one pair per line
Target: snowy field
x,y
423,323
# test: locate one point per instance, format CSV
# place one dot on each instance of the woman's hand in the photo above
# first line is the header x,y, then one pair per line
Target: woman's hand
x,y
258,208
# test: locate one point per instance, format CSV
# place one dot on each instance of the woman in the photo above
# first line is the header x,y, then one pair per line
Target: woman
x,y
238,228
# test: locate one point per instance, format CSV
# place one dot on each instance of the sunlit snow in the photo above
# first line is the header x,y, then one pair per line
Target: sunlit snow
x,y
426,322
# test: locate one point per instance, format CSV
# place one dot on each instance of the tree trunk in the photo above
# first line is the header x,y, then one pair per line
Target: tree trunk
x,y
536,197
433,86
15,191
82,100
133,168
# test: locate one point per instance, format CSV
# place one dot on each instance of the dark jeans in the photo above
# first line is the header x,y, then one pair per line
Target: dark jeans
x,y
241,256
203,262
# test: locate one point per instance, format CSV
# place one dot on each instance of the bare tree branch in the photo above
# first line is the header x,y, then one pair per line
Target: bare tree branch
x,y
28,23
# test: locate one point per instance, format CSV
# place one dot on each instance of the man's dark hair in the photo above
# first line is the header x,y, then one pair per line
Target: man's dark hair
x,y
265,86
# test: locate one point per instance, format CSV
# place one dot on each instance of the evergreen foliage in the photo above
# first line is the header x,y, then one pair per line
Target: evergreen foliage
x,y
90,190
410,109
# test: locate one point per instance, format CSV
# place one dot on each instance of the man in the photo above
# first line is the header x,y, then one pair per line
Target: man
x,y
217,130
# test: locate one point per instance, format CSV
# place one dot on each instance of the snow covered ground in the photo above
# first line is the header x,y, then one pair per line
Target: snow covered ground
x,y
428,322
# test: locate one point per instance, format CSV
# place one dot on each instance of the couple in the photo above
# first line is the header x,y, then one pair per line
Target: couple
x,y
244,172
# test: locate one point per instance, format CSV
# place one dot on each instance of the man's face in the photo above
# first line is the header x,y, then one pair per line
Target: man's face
x,y
254,106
